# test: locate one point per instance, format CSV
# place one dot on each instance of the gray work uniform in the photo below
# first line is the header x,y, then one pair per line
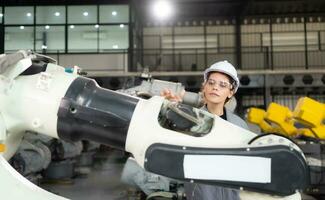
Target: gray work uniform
x,y
195,191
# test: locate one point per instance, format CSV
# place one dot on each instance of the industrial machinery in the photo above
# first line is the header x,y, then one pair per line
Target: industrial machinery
x,y
305,126
33,156
311,114
166,138
308,114
257,116
154,185
150,87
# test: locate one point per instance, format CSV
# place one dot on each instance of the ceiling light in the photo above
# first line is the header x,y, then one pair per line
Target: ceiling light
x,y
115,46
22,27
85,14
47,27
57,14
121,25
96,26
114,13
1,15
71,26
29,14
162,9
44,46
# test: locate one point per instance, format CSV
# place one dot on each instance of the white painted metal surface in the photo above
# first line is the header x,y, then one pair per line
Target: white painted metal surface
x,y
228,168
145,130
31,102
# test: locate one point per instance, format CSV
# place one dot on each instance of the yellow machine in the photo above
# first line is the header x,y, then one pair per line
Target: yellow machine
x,y
311,114
279,119
257,116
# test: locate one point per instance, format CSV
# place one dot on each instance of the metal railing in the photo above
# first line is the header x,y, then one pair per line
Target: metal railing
x,y
252,58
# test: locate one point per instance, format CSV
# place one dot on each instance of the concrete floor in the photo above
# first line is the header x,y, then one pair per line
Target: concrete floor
x,y
103,182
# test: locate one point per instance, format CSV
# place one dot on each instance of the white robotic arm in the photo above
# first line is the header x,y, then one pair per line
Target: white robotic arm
x,y
173,140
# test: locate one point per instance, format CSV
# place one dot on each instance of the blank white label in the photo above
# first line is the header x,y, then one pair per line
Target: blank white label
x,y
228,168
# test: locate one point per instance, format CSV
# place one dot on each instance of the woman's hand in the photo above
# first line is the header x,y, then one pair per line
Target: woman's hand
x,y
168,94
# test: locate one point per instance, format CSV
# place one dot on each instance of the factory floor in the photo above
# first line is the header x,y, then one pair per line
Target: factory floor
x,y
102,183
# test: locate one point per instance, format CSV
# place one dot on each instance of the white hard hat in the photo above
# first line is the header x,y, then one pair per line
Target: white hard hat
x,y
226,68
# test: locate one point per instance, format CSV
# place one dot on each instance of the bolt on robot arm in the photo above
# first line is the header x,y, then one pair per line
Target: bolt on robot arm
x,y
173,140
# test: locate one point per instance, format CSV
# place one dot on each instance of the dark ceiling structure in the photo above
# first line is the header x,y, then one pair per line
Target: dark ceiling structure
x,y
231,8
200,9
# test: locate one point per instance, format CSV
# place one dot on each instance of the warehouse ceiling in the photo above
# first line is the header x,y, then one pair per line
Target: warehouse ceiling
x,y
204,8
213,8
